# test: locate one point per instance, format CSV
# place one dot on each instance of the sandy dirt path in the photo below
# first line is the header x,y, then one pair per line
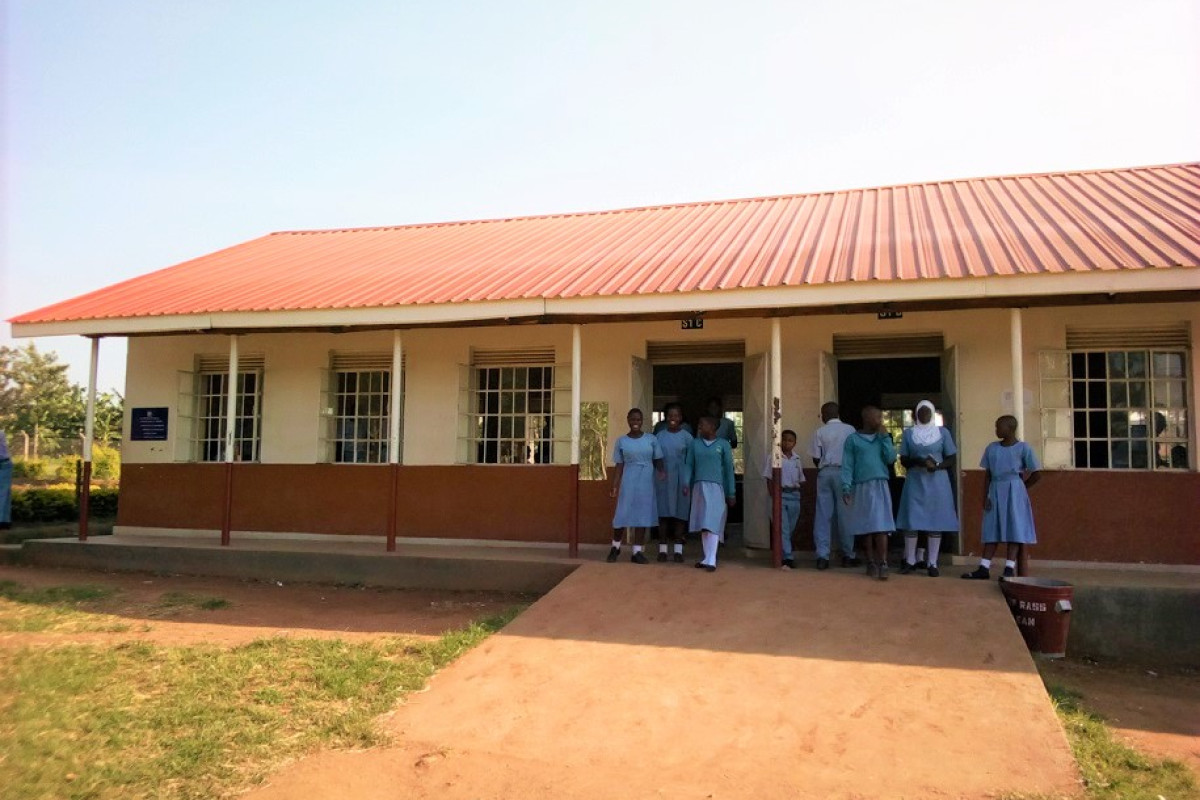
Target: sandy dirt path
x,y
668,682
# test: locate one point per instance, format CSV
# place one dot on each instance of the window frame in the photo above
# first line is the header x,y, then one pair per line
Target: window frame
x,y
475,390
204,446
1062,414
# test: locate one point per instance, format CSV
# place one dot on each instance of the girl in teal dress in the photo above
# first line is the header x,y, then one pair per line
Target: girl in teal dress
x,y
674,505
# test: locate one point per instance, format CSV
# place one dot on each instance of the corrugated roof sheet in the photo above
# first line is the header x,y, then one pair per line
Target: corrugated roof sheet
x,y
1118,219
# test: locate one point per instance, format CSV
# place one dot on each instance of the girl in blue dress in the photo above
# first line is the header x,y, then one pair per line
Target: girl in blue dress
x,y
637,457
927,451
674,505
1010,467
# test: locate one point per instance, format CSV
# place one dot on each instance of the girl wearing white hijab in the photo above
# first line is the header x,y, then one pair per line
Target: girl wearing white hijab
x,y
927,451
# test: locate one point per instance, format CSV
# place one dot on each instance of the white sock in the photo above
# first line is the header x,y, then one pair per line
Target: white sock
x,y
616,544
910,549
678,547
637,548
935,547
1010,564
710,541
921,553
662,548
986,563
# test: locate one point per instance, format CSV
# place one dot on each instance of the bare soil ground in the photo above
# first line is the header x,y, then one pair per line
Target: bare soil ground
x,y
255,609
1155,711
629,681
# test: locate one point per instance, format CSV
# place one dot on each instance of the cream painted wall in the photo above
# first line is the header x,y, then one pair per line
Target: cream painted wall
x,y
295,364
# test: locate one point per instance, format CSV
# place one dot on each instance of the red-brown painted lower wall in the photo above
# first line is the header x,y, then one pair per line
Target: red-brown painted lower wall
x,y
1081,516
515,503
1113,516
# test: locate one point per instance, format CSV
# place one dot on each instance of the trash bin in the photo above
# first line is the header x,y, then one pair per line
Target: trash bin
x,y
1042,609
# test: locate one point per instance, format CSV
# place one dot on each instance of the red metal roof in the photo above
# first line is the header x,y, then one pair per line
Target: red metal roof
x,y
1118,219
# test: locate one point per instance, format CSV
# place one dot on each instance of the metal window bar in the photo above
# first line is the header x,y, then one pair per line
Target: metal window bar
x,y
208,440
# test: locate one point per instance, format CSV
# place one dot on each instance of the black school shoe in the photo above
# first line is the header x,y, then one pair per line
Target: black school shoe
x,y
980,574
639,558
882,572
678,558
934,571
907,568
613,553
662,557
1009,572
822,563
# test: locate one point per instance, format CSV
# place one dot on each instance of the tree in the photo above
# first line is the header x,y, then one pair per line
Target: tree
x,y
36,396
110,410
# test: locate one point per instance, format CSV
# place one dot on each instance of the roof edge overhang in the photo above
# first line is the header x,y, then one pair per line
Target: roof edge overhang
x,y
1159,284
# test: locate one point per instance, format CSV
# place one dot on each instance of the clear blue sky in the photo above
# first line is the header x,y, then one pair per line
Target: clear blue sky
x,y
140,134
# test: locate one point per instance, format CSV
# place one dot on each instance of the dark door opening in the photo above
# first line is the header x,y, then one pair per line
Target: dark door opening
x,y
692,385
896,385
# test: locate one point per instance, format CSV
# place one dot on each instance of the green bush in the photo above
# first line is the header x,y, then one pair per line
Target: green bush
x,y
57,504
106,462
32,469
65,471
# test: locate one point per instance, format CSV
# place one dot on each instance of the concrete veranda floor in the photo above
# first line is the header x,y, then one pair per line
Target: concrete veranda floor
x,y
666,681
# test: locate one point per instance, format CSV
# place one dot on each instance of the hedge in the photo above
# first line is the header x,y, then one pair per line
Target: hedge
x,y
57,504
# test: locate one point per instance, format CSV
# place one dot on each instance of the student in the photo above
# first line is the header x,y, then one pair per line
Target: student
x,y
725,428
866,458
826,453
661,425
927,451
708,473
674,505
791,475
5,484
1010,467
637,457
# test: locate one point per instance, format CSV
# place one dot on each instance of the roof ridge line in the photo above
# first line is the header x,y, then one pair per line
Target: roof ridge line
x,y
698,203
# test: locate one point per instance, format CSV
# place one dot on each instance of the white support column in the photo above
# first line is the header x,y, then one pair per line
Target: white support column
x,y
576,379
231,397
1018,369
397,398
89,425
776,400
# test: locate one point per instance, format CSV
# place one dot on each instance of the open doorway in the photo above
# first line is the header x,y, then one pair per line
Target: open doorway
x,y
692,385
896,384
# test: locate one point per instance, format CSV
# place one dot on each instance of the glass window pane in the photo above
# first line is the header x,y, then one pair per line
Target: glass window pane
x,y
1137,364
1056,394
1116,365
1168,365
1120,455
1138,395
1096,365
1097,424
1079,394
1139,455
1078,365
1097,394
1118,423
1081,424
1098,454
1054,365
1118,395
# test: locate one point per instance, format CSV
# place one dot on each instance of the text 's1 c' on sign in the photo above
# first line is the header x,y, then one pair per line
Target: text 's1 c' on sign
x,y
692,323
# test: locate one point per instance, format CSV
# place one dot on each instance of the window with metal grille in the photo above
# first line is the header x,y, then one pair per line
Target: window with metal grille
x,y
212,392
362,417
1115,409
515,407
356,406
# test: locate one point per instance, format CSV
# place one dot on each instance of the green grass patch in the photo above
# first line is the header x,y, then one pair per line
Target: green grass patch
x,y
1112,770
55,608
178,600
138,720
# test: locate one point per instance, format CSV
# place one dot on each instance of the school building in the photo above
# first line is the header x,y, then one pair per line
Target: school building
x,y
506,352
